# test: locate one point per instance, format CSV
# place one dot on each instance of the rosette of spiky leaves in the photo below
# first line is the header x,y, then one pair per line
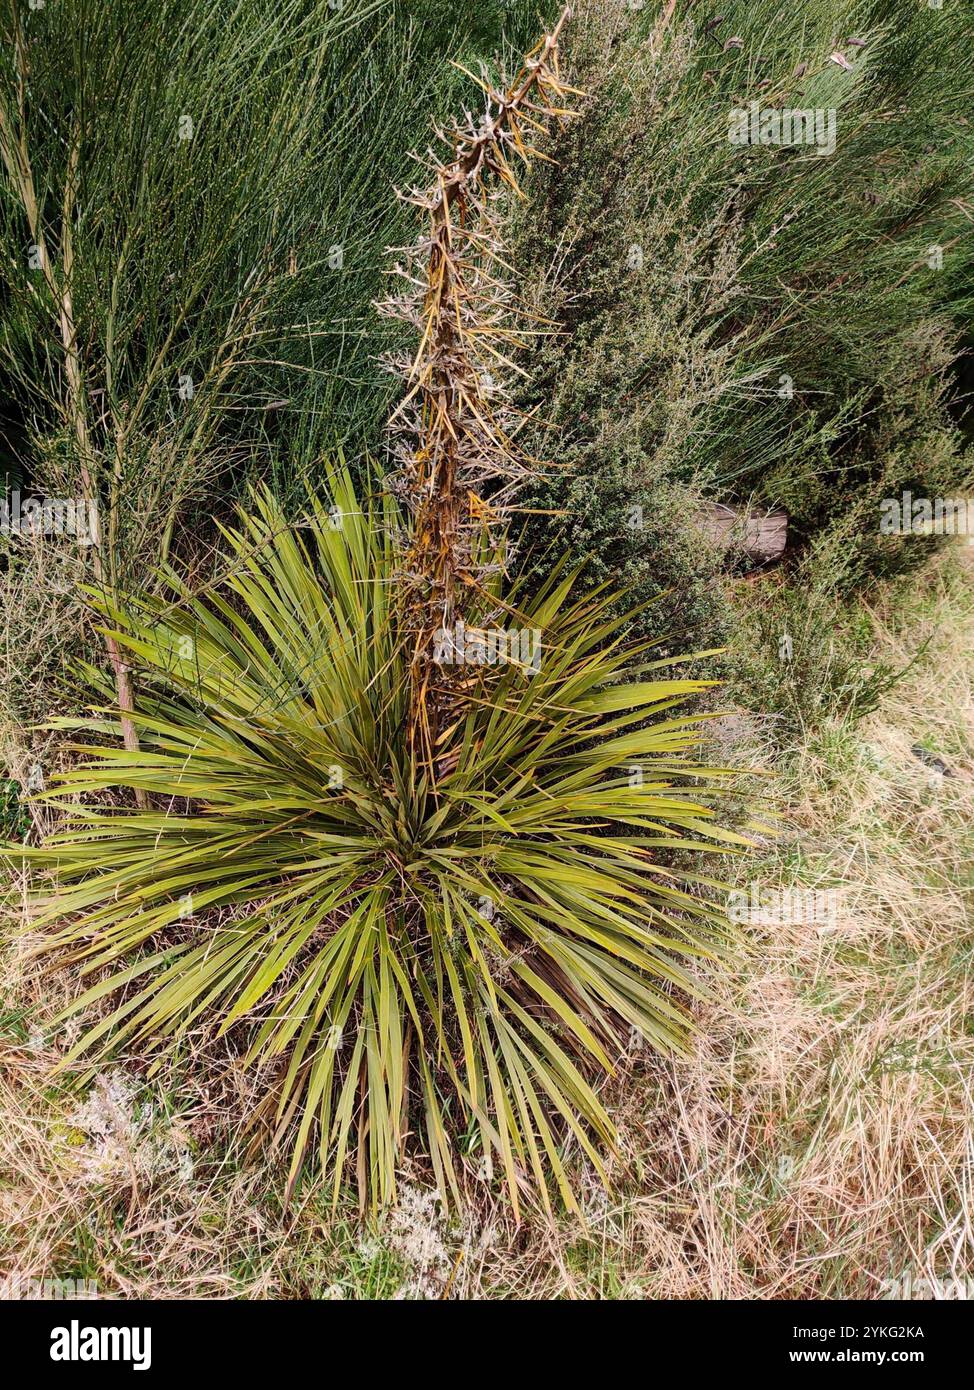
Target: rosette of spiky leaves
x,y
456,961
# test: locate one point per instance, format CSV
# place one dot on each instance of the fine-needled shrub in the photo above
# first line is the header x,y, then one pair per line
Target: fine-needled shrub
x,y
764,323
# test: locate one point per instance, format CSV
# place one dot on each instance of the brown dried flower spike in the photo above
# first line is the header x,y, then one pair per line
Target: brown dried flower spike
x,y
453,432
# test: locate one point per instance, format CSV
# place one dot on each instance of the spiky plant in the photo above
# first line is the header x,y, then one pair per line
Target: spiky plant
x,y
456,960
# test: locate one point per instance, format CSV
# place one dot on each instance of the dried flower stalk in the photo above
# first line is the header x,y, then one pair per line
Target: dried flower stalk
x,y
453,434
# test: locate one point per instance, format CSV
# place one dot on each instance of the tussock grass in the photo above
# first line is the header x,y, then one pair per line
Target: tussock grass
x,y
817,1145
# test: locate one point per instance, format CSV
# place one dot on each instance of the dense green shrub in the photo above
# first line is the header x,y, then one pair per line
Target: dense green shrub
x,y
756,323
803,661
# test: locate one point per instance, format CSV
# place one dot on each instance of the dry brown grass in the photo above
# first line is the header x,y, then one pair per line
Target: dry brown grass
x,y
821,1142
818,1145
